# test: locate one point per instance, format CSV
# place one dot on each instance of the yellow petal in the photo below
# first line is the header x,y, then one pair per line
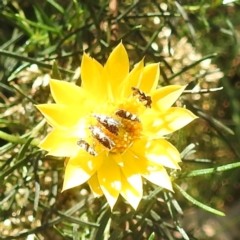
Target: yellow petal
x,y
150,78
133,79
159,176
67,93
87,162
109,177
132,196
141,163
170,121
57,143
163,98
155,174
61,115
117,65
129,170
163,153
92,77
159,152
174,119
131,179
74,176
95,187
115,71
79,169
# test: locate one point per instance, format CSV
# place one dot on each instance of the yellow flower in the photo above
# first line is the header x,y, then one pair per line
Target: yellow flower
x,y
112,128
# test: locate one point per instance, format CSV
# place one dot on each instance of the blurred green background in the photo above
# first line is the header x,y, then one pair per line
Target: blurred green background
x,y
196,42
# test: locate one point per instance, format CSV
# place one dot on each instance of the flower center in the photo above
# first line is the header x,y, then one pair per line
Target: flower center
x,y
116,131
115,127
131,132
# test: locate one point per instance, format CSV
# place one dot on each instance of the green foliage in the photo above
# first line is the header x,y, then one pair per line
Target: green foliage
x,y
39,39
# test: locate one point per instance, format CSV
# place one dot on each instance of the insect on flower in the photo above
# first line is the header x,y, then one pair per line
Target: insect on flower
x,y
86,146
127,115
98,134
142,96
111,124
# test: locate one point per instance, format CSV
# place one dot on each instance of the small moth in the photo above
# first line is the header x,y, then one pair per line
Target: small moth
x,y
127,115
142,96
98,134
111,124
86,146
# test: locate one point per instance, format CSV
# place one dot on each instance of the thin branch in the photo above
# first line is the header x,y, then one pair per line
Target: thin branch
x,y
202,90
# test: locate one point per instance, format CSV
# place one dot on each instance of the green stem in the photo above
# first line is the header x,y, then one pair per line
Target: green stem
x,y
32,60
196,173
24,138
14,139
197,203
